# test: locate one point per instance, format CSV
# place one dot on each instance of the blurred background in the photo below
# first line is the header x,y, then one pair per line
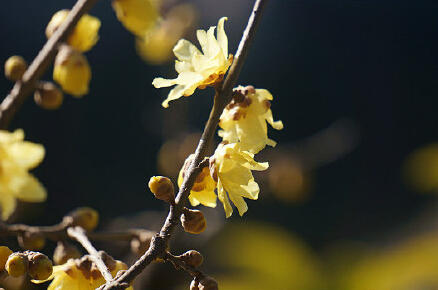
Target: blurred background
x,y
350,200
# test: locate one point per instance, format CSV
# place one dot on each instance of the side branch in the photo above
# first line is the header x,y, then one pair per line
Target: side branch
x,y
223,96
79,235
22,89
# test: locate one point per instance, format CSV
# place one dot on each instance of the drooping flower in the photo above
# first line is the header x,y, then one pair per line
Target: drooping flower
x,y
196,69
245,118
85,34
231,168
80,274
202,191
72,71
136,15
17,157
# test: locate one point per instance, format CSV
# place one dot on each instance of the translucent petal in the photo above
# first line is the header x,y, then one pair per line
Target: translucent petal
x,y
181,66
239,202
32,190
161,83
222,195
205,197
202,38
184,50
26,154
265,94
176,93
252,189
222,37
213,48
8,137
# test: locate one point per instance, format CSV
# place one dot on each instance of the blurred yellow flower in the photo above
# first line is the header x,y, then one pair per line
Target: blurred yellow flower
x,y
72,71
76,276
136,15
17,157
244,119
156,45
85,34
231,168
196,69
202,191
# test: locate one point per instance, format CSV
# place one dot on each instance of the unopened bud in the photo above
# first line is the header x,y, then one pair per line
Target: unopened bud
x,y
17,265
192,258
40,266
162,188
5,252
48,96
31,241
140,244
15,67
208,283
193,221
65,251
84,217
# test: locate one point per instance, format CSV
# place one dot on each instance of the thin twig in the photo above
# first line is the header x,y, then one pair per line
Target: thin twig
x,y
80,235
22,89
159,243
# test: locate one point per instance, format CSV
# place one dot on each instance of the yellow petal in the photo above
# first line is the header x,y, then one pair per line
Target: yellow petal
x,y
8,204
32,190
8,137
184,50
28,155
240,203
222,37
222,195
136,15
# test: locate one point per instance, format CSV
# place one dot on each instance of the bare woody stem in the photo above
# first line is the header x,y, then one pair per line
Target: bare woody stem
x,y
80,235
22,89
223,96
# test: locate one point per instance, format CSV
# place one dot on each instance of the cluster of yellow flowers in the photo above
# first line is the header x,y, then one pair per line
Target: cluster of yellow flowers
x,y
17,157
243,122
81,274
72,70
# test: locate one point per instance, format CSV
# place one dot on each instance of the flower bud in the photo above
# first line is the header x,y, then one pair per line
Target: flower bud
x,y
5,252
85,34
208,283
84,217
140,244
15,66
193,221
162,188
192,258
17,265
48,96
72,71
65,251
31,241
40,266
194,285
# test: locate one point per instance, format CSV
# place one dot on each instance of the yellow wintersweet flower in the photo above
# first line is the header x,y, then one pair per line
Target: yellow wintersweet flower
x,y
196,69
17,157
202,191
244,119
136,15
231,168
79,274
85,34
72,71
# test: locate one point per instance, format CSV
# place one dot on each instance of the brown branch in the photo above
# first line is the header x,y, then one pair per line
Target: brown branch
x,y
80,235
22,89
159,243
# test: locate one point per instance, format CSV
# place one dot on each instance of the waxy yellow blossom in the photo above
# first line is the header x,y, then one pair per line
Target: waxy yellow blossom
x,y
79,274
136,15
231,168
85,34
17,157
196,69
72,71
202,191
245,118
